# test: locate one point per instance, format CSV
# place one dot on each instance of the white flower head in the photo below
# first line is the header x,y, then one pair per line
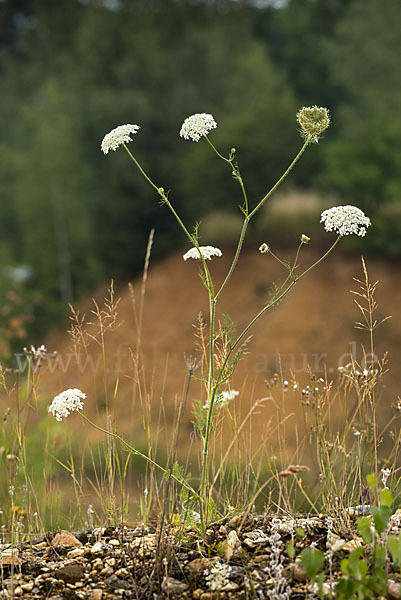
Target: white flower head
x,y
66,402
345,220
37,353
223,398
385,475
116,137
206,251
197,126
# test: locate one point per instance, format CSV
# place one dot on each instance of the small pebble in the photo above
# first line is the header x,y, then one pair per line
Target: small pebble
x,y
97,548
76,553
114,542
64,538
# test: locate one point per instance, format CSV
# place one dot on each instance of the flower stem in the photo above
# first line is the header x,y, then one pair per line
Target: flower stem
x,y
211,393
284,175
235,172
165,200
249,216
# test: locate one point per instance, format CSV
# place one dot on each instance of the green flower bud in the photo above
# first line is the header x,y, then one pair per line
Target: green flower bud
x,y
264,249
305,239
313,121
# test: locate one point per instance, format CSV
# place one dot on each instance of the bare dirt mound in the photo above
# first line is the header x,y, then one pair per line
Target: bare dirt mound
x,y
312,327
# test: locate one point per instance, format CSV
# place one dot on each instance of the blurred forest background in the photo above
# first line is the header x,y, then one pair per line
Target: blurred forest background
x,y
72,70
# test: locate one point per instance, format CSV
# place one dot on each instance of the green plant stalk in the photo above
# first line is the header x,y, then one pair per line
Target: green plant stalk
x,y
372,392
211,393
235,172
212,385
249,216
203,481
212,309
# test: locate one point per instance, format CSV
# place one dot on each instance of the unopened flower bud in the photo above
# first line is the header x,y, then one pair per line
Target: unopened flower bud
x,y
264,249
313,121
305,239
161,190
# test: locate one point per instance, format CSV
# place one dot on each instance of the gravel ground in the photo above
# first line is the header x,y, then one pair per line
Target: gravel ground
x,y
244,557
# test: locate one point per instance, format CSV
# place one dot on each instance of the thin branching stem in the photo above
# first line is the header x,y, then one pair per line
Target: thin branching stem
x,y
277,299
165,200
235,172
213,382
249,216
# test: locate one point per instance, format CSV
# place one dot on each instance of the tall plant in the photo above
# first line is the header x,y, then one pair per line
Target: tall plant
x,y
221,362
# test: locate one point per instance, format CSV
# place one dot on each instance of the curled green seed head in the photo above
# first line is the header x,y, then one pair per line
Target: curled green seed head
x,y
313,121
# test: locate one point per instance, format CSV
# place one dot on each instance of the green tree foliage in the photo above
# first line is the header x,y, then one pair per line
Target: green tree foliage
x,y
363,159
74,69
75,212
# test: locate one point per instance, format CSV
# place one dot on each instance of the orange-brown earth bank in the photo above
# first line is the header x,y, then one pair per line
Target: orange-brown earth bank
x,y
313,325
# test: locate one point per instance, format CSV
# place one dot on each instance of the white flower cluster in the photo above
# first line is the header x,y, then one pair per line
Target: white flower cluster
x,y
345,220
385,475
66,402
206,251
223,398
37,353
116,137
280,590
197,126
217,576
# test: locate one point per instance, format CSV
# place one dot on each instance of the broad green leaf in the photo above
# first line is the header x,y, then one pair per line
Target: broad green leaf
x,y
345,588
394,547
380,556
291,549
362,568
386,498
313,561
364,529
371,481
380,582
344,566
381,518
355,555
